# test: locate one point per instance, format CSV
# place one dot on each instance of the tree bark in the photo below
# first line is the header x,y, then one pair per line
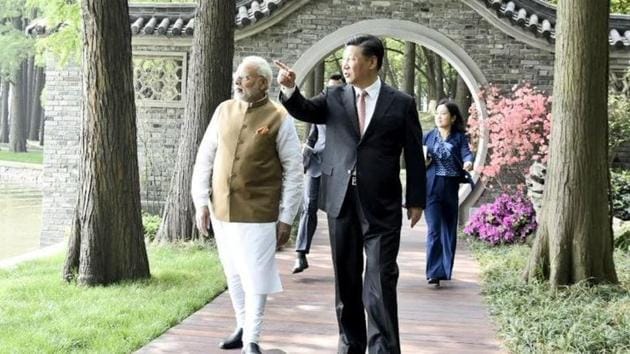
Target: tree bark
x,y
410,68
318,78
209,84
36,104
42,125
463,97
431,79
4,112
574,240
439,77
393,80
17,134
307,88
108,226
27,99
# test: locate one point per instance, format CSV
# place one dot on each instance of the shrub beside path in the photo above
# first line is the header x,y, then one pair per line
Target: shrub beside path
x,y
449,319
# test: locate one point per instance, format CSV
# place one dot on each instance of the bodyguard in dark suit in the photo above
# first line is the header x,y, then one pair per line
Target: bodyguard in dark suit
x,y
368,126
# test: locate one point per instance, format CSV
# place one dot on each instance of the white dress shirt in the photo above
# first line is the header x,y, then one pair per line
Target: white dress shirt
x,y
370,100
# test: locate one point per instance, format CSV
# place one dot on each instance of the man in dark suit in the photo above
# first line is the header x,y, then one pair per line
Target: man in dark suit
x,y
368,126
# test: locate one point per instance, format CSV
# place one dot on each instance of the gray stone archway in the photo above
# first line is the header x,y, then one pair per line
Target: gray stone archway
x,y
412,32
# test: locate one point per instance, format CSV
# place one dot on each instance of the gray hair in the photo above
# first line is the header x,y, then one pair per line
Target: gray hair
x,y
262,66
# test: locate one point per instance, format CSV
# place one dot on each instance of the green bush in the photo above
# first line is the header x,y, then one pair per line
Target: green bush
x,y
151,224
622,236
618,122
531,318
620,193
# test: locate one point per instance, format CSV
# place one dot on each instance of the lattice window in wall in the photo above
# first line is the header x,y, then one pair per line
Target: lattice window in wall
x,y
160,78
620,82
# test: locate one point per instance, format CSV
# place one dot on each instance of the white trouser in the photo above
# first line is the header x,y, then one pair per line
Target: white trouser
x,y
247,253
248,308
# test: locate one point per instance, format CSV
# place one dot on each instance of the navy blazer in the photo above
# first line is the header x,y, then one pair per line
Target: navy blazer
x,y
461,153
394,128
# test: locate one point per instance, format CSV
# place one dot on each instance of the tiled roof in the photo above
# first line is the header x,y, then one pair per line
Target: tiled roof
x,y
539,18
534,16
178,20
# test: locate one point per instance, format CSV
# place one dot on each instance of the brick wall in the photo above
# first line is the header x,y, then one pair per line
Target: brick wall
x,y
502,60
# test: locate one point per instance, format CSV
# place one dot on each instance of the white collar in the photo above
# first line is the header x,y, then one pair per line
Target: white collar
x,y
372,90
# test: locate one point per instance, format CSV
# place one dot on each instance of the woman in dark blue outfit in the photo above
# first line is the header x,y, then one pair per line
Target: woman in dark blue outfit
x,y
449,159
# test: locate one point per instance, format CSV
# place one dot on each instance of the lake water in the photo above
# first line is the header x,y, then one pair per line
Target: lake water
x,y
20,220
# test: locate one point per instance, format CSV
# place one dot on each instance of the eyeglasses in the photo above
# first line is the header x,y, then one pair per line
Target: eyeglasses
x,y
239,77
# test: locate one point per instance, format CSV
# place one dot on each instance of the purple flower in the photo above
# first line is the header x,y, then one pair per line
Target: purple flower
x,y
509,219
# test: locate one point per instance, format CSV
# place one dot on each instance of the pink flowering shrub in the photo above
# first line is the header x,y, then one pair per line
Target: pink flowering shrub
x,y
509,219
518,124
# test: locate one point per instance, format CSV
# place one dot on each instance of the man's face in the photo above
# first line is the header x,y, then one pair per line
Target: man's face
x,y
249,86
333,82
357,68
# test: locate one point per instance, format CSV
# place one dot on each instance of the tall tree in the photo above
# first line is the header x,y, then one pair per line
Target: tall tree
x,y
410,68
463,97
17,134
35,103
574,240
319,79
4,111
107,241
208,85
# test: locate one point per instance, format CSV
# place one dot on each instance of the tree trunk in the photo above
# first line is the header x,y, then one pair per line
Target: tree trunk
x,y
209,85
419,90
42,125
410,68
4,112
439,77
383,71
393,80
463,97
27,99
17,134
108,226
318,78
431,79
307,88
574,240
36,104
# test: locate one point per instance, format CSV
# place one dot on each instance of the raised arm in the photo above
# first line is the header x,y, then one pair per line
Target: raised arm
x,y
307,110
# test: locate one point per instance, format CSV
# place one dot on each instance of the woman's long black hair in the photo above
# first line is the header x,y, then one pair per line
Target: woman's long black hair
x,y
453,109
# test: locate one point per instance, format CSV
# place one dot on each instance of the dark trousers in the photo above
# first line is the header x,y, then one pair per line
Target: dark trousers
x,y
350,234
441,217
308,219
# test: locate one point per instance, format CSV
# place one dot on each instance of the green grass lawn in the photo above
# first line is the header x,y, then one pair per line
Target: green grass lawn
x,y
39,313
533,319
33,156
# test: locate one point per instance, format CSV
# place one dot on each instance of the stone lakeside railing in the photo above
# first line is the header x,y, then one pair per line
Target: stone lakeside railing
x,y
23,174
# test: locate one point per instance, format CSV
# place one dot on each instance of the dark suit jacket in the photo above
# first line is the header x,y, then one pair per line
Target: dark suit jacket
x,y
394,128
311,159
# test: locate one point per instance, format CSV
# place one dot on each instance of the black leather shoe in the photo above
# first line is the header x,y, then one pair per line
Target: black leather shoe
x,y
300,263
234,341
434,281
252,348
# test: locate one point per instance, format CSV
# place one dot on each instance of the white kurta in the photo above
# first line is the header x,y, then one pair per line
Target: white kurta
x,y
248,249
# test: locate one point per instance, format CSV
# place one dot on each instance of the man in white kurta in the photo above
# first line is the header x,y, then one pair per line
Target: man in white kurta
x,y
247,181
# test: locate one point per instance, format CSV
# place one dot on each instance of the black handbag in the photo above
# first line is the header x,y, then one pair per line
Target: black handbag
x,y
465,177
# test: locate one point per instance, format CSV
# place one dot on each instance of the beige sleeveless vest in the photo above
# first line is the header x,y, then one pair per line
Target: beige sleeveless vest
x,y
247,174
